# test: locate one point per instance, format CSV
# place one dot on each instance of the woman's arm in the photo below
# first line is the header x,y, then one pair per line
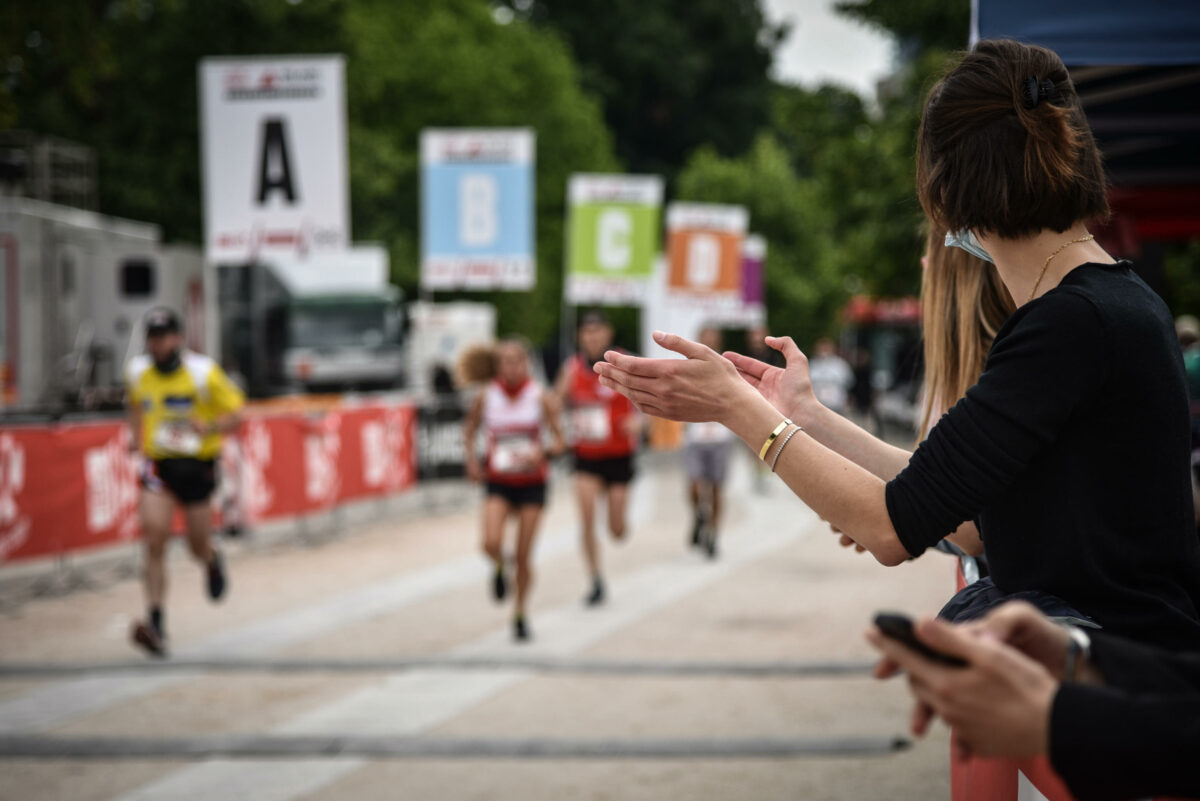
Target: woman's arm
x,y
705,387
470,428
550,413
789,389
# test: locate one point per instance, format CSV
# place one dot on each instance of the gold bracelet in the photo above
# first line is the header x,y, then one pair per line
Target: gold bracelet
x,y
782,445
762,452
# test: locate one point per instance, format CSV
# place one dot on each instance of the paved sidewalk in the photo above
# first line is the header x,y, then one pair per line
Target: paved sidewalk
x,y
376,666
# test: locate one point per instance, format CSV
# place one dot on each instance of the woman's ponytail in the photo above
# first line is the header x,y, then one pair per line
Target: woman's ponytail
x,y
1053,145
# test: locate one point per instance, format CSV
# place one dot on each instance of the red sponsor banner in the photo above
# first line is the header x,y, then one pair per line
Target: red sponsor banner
x,y
377,453
71,487
65,488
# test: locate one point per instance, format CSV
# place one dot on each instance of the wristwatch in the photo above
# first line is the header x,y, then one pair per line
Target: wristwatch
x,y
1079,651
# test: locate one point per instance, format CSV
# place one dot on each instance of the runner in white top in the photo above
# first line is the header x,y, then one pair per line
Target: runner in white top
x,y
513,411
706,453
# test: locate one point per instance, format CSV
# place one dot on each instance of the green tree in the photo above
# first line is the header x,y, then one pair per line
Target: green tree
x,y
672,75
804,287
918,25
410,64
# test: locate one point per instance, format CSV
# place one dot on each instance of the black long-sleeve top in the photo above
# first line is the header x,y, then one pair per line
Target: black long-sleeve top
x,y
1137,737
1072,453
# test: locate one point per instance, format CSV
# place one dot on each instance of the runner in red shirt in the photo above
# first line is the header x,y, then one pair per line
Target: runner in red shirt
x,y
605,432
513,410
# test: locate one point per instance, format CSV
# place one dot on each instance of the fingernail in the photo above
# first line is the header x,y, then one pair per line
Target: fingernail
x,y
659,336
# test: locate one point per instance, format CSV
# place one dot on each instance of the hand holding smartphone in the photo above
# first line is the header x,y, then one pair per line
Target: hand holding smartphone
x,y
899,627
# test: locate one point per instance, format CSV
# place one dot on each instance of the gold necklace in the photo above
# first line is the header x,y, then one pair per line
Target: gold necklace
x,y
1050,258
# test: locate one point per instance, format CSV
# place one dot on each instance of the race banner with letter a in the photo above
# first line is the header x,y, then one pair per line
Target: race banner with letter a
x,y
477,212
273,145
612,237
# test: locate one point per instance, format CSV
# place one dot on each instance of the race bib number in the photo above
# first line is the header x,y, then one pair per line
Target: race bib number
x,y
177,437
516,453
591,423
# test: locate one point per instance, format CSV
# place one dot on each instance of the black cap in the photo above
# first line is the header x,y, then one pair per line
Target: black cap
x,y
161,321
593,317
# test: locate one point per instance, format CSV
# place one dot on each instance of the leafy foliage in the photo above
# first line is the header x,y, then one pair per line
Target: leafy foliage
x,y
122,77
672,75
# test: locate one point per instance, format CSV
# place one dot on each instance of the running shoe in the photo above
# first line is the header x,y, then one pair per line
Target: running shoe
x,y
521,631
499,583
596,597
147,638
217,582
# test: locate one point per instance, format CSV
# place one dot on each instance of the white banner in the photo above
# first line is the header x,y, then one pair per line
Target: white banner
x,y
274,158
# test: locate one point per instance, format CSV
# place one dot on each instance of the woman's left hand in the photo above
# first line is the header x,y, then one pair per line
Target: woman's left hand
x,y
704,387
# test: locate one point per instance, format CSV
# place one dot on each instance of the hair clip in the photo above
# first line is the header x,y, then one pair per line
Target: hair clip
x,y
1038,90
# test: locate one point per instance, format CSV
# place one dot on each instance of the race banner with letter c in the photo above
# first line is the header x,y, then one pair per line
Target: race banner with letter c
x,y
612,237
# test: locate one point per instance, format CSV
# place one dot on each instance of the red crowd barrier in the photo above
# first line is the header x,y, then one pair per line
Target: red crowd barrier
x,y
71,487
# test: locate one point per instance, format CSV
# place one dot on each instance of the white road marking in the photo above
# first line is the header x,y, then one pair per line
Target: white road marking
x,y
63,701
414,702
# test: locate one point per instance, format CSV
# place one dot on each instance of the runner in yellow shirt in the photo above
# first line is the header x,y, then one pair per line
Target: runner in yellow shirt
x,y
180,404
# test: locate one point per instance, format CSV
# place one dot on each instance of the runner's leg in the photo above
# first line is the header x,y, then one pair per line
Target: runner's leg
x,y
587,487
495,514
618,494
198,517
529,516
156,509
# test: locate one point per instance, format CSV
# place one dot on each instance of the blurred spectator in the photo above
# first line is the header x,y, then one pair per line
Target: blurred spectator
x,y
864,392
831,377
757,348
707,449
1187,328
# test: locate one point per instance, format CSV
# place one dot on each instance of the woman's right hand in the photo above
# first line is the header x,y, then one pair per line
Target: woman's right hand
x,y
789,389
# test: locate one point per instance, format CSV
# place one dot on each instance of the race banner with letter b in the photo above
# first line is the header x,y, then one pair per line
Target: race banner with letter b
x,y
477,213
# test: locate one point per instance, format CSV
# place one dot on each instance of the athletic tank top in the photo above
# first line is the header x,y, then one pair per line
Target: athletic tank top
x,y
512,423
598,415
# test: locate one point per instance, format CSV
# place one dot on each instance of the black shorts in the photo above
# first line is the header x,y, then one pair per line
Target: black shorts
x,y
518,496
614,470
189,480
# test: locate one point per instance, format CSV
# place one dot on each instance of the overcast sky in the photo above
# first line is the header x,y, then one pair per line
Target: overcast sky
x,y
826,47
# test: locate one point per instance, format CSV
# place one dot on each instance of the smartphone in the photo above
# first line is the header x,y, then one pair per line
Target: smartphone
x,y
900,628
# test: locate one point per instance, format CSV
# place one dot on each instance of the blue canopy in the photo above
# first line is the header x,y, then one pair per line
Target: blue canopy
x,y
1136,67
1096,32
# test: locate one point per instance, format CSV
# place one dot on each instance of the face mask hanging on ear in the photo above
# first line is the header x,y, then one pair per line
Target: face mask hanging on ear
x,y
966,240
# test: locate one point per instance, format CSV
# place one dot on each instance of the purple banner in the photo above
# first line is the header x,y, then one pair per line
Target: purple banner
x,y
754,254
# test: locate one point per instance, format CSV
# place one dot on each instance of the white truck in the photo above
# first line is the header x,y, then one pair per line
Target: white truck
x,y
332,323
74,287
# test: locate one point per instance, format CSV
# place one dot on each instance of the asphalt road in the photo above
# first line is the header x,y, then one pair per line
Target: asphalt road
x,y
376,666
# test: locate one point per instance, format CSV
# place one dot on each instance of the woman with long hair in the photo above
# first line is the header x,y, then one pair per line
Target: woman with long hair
x,y
514,411
1071,449
963,306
